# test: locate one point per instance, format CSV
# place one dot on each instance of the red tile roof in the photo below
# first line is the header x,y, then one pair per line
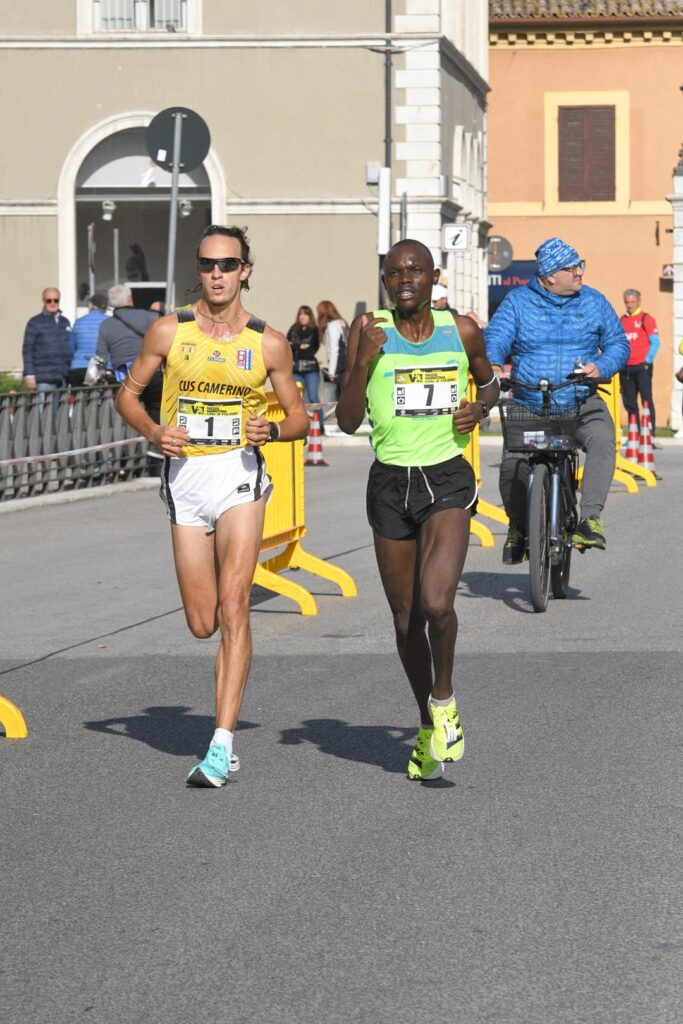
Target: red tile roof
x,y
578,10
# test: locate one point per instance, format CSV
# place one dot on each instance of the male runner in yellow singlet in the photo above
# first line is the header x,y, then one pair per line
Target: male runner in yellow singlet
x,y
408,367
216,360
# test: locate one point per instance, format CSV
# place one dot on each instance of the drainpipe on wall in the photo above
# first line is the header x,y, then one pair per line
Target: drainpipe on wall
x,y
676,200
387,85
387,128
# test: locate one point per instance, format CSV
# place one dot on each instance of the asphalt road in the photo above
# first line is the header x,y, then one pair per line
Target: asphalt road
x,y
539,883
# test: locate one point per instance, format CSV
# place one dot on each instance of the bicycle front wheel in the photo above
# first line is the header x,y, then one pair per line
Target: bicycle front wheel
x,y
539,538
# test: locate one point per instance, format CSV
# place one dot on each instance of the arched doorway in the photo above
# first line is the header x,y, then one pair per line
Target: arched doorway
x,y
109,183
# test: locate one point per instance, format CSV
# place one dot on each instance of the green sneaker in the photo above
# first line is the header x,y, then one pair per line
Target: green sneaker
x,y
590,533
447,742
514,548
421,766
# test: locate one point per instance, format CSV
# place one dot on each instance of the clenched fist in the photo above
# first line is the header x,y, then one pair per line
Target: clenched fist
x,y
370,339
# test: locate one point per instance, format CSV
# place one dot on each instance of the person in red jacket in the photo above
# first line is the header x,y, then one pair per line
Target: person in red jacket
x,y
636,377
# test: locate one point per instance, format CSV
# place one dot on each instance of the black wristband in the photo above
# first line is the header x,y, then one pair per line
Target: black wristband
x,y
274,434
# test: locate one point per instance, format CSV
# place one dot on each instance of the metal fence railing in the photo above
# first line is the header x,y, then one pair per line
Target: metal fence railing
x,y
66,439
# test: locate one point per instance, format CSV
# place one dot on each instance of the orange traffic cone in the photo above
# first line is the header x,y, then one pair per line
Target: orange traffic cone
x,y
633,442
646,455
315,445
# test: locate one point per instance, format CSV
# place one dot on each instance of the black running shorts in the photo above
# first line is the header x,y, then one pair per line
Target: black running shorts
x,y
401,498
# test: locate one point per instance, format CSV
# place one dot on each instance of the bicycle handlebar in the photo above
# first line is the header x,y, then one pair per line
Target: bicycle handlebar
x,y
544,386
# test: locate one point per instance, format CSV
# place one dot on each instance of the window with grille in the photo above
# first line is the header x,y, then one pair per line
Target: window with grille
x,y
140,15
586,161
167,14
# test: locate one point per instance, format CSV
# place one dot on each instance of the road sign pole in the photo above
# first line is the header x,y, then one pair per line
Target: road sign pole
x,y
173,220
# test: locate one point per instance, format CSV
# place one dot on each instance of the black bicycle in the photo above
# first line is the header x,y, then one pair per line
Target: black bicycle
x,y
548,439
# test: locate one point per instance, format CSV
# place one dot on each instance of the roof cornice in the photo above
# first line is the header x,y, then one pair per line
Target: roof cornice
x,y
589,32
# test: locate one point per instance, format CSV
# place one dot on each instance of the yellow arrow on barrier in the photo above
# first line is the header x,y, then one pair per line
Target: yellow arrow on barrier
x,y
12,720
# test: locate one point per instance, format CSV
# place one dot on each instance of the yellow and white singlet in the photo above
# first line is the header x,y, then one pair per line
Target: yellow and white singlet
x,y
212,387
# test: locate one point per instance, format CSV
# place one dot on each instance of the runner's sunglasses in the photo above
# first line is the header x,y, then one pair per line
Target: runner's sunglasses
x,y
226,264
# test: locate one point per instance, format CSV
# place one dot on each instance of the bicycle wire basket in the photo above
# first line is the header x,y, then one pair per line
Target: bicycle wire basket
x,y
527,431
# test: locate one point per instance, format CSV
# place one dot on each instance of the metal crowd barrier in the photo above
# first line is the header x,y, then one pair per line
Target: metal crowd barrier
x,y
66,439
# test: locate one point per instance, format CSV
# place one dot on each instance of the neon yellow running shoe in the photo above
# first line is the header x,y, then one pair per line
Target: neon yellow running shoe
x,y
421,766
447,742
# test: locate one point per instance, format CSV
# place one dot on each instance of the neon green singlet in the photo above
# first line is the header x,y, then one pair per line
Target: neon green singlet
x,y
412,392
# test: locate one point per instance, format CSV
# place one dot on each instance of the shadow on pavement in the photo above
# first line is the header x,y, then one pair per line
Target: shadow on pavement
x,y
510,588
167,728
386,746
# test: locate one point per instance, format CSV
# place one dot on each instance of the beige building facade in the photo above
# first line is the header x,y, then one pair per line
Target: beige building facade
x,y
295,98
552,61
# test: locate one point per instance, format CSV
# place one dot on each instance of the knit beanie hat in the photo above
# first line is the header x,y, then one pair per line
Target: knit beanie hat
x,y
553,255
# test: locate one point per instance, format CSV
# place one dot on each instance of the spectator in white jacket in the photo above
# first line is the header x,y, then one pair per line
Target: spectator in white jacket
x,y
333,330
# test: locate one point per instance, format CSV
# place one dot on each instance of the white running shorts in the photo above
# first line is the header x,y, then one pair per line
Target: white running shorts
x,y
196,491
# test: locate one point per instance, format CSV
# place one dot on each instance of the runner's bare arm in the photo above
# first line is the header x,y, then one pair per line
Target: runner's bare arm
x,y
364,343
155,347
471,413
277,356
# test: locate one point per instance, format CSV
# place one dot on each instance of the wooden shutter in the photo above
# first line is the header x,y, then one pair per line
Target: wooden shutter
x,y
587,153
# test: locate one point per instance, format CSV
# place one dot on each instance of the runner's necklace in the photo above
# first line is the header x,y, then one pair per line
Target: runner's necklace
x,y
225,323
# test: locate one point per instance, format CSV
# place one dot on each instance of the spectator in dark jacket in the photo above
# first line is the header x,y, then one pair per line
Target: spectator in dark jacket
x,y
305,341
46,351
84,338
120,338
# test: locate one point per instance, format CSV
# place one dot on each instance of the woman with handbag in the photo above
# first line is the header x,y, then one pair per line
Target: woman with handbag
x,y
305,341
334,331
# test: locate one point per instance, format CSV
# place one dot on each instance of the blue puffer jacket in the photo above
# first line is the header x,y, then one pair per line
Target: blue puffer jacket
x,y
84,338
544,334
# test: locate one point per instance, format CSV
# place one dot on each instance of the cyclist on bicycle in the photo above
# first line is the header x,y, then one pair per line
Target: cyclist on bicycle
x,y
548,329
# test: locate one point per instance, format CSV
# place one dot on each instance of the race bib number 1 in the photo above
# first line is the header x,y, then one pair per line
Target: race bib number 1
x,y
426,391
211,421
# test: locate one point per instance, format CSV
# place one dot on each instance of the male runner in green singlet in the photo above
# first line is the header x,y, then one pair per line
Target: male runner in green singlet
x,y
408,366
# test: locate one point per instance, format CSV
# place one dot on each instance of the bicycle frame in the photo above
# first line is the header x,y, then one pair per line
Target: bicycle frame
x,y
552,512
562,468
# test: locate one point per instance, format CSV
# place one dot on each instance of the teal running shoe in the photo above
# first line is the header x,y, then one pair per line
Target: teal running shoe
x,y
213,770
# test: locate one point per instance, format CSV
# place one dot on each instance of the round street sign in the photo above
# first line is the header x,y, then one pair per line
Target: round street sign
x,y
500,253
194,143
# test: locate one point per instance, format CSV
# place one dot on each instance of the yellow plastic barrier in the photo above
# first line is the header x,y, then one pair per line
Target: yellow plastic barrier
x,y
625,470
12,720
613,400
285,524
484,508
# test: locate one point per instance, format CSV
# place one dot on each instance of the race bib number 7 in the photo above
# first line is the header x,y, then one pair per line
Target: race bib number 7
x,y
426,391
211,421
